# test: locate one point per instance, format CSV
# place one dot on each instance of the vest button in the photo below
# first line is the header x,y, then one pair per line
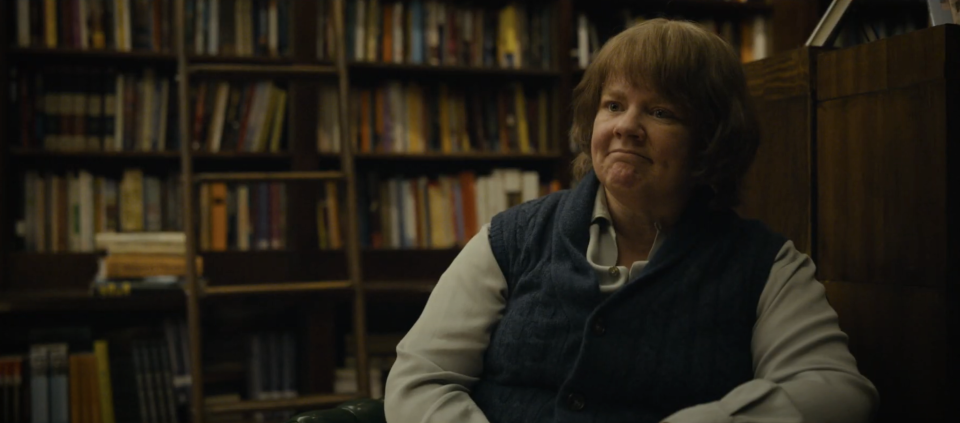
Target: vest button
x,y
615,271
598,327
576,402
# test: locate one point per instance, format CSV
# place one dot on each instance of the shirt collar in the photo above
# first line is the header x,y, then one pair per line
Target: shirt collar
x,y
600,210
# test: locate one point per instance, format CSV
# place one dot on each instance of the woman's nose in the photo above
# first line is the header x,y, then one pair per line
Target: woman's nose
x,y
628,125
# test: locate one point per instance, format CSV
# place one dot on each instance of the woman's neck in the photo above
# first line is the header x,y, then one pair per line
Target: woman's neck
x,y
638,221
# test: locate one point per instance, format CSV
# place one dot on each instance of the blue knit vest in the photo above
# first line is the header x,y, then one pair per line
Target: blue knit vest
x,y
676,336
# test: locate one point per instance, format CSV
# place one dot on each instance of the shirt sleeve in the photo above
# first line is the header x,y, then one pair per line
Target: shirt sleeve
x,y
803,370
441,357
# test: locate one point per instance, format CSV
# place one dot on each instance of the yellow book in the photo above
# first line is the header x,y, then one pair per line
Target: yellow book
x,y
462,122
278,121
322,239
50,23
437,209
103,378
131,200
523,127
446,145
508,47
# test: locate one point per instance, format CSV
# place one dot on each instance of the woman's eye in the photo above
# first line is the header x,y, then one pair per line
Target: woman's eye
x,y
613,107
662,113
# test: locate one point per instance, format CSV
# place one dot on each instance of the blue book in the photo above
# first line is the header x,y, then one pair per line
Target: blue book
x,y
39,384
59,388
416,38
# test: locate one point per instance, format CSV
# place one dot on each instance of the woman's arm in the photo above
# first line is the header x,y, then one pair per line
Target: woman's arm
x,y
441,357
803,369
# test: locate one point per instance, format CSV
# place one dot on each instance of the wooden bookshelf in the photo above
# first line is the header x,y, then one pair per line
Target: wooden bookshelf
x,y
40,282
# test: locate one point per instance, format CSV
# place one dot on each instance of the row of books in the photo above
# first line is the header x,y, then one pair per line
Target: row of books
x,y
243,216
137,379
238,27
121,25
415,118
12,376
86,110
517,35
62,212
748,36
140,262
272,370
238,116
440,212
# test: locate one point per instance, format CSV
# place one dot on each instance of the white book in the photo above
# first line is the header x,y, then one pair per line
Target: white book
x,y
512,187
56,204
531,186
219,112
213,25
359,36
398,26
87,212
760,48
495,194
273,29
409,214
23,23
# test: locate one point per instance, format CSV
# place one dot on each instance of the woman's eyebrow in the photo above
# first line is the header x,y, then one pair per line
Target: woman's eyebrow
x,y
613,92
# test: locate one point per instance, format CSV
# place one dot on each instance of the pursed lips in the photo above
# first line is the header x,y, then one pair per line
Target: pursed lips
x,y
631,153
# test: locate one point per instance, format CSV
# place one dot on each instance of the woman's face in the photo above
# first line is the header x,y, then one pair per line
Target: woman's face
x,y
642,144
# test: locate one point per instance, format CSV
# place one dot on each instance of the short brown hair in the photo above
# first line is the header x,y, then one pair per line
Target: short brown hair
x,y
698,71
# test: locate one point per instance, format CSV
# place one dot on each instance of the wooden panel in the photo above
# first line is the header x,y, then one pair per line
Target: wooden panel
x,y
881,191
922,56
899,336
852,71
782,76
238,268
793,22
777,189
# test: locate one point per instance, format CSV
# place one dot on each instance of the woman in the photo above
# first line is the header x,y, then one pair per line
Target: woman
x,y
638,296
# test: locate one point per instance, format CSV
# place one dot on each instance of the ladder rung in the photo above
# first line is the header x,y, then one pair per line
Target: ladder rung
x,y
280,404
266,176
267,288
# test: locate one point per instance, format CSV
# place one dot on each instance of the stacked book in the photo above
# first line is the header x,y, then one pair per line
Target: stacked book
x,y
141,261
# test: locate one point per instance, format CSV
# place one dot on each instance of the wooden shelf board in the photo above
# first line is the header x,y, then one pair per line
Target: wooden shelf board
x,y
447,69
477,156
266,176
76,300
72,53
260,70
424,287
146,155
202,59
306,401
277,288
675,7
